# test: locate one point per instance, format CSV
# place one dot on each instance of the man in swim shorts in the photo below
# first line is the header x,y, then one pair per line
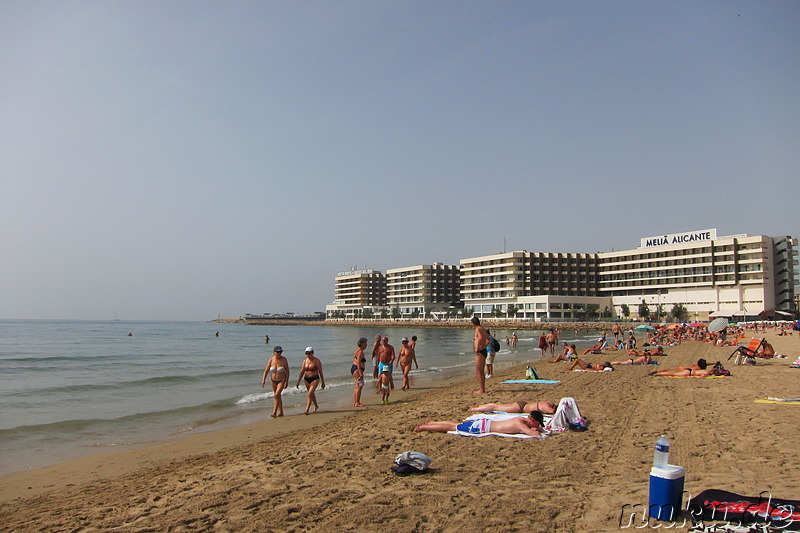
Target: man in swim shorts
x,y
528,425
479,343
552,339
385,363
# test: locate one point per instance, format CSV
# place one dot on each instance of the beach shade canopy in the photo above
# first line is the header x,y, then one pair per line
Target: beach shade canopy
x,y
645,327
718,324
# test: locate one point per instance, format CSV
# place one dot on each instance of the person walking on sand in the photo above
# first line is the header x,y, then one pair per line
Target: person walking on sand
x,y
311,372
406,357
479,343
357,370
615,331
386,358
278,371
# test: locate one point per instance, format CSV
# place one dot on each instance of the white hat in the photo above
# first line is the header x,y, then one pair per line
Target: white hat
x,y
309,349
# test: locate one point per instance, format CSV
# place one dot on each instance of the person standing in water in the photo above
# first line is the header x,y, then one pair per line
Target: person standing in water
x,y
311,372
357,369
278,372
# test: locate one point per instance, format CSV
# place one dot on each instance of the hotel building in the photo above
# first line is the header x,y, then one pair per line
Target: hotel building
x,y
419,290
357,291
532,285
732,276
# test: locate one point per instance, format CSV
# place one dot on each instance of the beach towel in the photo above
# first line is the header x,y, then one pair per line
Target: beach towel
x,y
497,416
606,369
781,401
720,505
567,415
530,381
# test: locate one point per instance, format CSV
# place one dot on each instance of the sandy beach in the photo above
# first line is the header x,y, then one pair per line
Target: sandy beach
x,y
331,471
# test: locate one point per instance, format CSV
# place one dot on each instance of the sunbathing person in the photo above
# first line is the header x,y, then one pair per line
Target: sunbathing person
x,y
649,349
519,406
569,353
529,425
699,369
594,367
597,348
641,360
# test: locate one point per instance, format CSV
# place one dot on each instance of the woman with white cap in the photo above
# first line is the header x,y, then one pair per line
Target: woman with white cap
x,y
278,371
311,372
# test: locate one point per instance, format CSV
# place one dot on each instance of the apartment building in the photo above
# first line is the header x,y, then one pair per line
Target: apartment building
x,y
420,290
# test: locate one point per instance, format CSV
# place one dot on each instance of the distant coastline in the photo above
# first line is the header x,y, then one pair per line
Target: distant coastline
x,y
491,323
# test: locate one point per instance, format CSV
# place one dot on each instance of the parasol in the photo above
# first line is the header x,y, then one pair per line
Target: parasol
x,y
718,324
645,327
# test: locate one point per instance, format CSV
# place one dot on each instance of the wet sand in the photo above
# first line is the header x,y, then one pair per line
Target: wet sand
x,y
331,471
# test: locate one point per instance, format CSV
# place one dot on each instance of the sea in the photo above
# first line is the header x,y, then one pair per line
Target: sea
x,y
69,389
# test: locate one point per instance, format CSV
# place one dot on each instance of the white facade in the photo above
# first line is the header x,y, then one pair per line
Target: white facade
x,y
723,276
422,289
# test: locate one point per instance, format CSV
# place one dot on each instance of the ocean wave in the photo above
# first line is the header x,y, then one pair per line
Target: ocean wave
x,y
137,383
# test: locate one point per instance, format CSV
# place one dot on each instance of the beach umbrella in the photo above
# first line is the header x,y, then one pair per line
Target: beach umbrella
x,y
718,324
645,327
697,325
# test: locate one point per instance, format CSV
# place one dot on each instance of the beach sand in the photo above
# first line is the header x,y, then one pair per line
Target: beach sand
x,y
331,471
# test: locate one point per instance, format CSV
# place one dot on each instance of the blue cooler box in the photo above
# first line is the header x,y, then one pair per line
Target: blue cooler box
x,y
666,492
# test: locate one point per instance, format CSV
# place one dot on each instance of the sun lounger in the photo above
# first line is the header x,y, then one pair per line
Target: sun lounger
x,y
747,354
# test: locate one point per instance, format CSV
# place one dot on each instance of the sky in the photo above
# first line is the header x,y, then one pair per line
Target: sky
x,y
194,160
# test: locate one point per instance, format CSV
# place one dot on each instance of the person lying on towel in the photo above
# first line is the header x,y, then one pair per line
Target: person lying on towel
x,y
529,425
593,367
520,406
698,370
642,360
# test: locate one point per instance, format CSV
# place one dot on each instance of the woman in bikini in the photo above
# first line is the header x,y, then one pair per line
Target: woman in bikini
x,y
519,406
311,372
698,370
593,367
278,371
357,369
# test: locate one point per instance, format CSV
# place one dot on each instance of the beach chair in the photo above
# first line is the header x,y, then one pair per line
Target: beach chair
x,y
747,354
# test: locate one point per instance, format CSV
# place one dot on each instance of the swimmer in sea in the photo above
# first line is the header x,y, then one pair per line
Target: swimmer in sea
x,y
311,372
278,372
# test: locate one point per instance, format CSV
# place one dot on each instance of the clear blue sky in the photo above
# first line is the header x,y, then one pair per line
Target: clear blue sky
x,y
183,160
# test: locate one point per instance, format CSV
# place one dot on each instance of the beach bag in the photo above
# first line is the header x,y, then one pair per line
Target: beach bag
x,y
735,509
531,373
411,463
719,370
495,345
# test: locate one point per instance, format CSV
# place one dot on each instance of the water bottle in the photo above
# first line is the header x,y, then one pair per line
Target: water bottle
x,y
661,455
